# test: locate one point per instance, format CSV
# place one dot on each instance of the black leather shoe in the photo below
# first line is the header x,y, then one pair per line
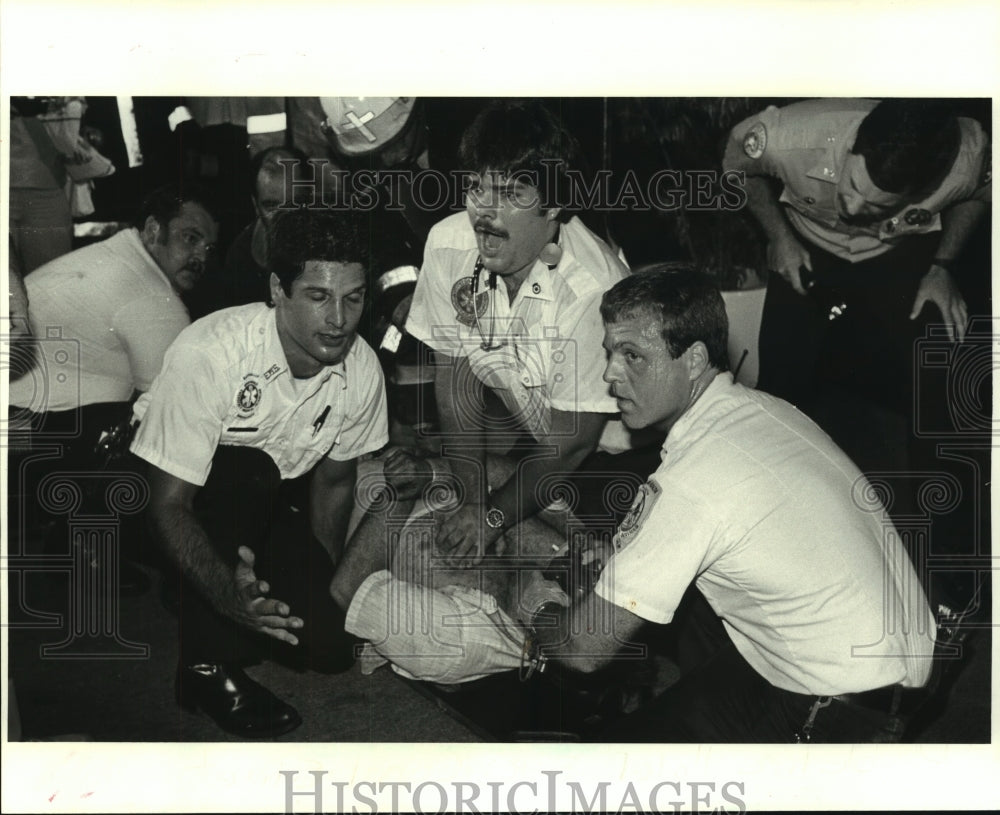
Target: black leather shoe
x,y
237,704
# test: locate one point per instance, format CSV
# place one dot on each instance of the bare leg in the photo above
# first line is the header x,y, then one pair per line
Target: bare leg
x,y
371,547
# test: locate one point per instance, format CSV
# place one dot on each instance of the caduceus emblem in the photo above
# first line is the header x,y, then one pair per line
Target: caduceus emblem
x,y
461,299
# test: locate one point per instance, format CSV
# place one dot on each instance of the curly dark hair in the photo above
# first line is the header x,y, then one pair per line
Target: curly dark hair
x,y
522,138
302,235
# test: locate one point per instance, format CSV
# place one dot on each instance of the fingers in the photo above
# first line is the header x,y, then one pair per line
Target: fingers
x,y
246,555
270,606
280,634
961,317
256,588
918,303
279,621
794,277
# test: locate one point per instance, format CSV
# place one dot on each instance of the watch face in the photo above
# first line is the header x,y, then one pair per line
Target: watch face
x,y
494,518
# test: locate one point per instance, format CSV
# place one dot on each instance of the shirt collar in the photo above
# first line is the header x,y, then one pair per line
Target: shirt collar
x,y
830,163
132,235
538,283
717,389
276,356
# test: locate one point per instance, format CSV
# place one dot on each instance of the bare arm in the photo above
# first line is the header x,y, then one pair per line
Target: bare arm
x,y
574,436
459,396
330,504
239,596
586,636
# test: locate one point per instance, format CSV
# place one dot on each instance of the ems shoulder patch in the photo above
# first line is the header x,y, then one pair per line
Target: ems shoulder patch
x,y
645,499
755,141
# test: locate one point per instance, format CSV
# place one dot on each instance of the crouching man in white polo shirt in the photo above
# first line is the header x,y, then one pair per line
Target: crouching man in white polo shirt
x,y
828,636
249,399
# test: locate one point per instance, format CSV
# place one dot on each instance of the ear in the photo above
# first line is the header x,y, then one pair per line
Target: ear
x,y
276,291
150,231
552,214
697,359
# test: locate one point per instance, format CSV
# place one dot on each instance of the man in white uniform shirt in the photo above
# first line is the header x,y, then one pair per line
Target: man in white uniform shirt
x,y
249,399
508,299
106,314
102,318
828,633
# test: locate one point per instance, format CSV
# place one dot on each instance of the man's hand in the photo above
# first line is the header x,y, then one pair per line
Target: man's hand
x,y
406,474
463,537
785,255
259,612
938,287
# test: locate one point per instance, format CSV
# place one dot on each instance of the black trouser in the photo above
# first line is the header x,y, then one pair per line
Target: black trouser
x,y
242,504
720,698
869,349
56,447
909,368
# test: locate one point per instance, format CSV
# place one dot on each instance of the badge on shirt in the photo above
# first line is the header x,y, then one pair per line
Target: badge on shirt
x,y
248,397
461,299
642,505
755,141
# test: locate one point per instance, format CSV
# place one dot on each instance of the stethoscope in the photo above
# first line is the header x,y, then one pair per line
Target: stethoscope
x,y
487,344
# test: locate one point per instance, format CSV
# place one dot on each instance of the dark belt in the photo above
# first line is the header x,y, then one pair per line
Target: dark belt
x,y
892,700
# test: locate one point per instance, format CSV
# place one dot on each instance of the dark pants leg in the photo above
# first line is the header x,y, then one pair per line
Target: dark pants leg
x,y
868,350
727,701
241,505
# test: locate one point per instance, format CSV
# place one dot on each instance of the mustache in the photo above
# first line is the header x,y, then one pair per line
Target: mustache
x,y
485,226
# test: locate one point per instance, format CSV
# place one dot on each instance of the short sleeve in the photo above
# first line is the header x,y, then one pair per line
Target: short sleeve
x,y
366,427
577,379
184,414
432,315
755,144
666,545
146,328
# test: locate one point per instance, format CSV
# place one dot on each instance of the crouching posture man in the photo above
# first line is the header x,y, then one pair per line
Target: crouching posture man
x,y
825,635
249,399
827,632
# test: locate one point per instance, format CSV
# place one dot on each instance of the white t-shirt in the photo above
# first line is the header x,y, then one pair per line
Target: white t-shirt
x,y
226,381
785,540
552,334
104,316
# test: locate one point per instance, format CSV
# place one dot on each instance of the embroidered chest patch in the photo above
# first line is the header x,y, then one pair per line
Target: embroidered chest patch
x,y
248,397
461,299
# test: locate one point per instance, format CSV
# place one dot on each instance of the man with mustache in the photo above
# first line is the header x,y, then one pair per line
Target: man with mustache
x,y
255,401
118,301
508,299
875,202
103,316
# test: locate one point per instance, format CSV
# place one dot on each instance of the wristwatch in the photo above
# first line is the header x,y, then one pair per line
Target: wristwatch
x,y
494,518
